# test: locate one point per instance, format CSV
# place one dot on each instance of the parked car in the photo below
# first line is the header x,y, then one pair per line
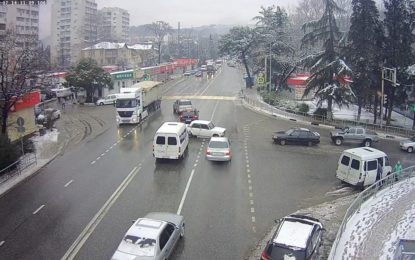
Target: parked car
x,y
297,237
296,136
151,237
199,74
205,128
189,115
108,100
357,135
219,149
187,73
408,144
181,105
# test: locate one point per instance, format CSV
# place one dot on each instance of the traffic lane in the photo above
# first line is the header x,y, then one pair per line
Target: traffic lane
x,y
158,187
186,87
217,210
227,82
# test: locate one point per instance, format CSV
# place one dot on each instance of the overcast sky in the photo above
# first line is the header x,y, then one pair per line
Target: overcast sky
x,y
188,12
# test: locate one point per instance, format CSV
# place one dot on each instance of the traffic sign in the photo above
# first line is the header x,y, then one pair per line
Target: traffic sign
x,y
260,80
20,121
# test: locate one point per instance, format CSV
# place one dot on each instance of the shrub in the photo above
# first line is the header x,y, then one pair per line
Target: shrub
x,y
9,153
320,112
304,108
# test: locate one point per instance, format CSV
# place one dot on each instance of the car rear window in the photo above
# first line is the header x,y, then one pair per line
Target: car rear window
x,y
345,160
217,144
172,141
185,103
191,113
355,164
160,140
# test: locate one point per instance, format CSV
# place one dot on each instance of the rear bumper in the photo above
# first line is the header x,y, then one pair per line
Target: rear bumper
x,y
222,158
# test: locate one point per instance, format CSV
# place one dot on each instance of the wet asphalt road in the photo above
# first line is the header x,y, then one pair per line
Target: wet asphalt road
x,y
228,207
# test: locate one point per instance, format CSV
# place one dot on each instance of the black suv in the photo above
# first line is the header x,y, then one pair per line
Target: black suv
x,y
297,237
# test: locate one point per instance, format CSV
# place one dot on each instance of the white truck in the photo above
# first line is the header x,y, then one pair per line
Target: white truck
x,y
136,102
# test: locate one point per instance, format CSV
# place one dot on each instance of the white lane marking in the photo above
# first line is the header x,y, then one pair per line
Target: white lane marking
x,y
247,166
214,110
2,242
102,154
107,150
93,162
250,187
251,194
194,165
68,183
248,170
197,160
254,229
247,161
251,202
185,192
210,83
249,175
252,210
89,229
249,181
180,81
253,219
99,157
38,209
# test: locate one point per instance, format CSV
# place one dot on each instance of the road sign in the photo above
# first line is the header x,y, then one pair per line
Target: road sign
x,y
20,121
21,129
260,80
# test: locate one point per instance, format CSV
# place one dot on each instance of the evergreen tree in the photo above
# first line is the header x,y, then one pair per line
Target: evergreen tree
x,y
328,70
398,40
363,49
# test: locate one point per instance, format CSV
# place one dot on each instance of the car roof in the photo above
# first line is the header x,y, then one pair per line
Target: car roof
x,y
294,233
170,127
181,100
219,139
201,122
365,152
301,128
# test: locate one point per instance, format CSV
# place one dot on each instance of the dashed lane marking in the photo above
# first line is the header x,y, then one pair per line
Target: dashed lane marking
x,y
251,202
38,209
107,150
2,242
102,154
68,183
93,162
253,219
249,175
252,210
251,194
99,157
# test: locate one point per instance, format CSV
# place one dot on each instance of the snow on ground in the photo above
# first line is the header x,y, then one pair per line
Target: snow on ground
x,y
44,143
373,232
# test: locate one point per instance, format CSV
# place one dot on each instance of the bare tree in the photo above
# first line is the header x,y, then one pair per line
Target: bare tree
x,y
159,29
20,61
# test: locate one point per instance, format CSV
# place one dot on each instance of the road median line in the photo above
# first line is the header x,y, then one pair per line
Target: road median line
x,y
89,229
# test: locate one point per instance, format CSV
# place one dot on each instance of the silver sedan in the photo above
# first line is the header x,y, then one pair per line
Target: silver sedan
x,y
219,149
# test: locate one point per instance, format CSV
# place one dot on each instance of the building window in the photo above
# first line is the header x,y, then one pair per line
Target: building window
x,y
2,26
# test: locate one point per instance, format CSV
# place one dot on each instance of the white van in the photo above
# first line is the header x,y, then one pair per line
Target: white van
x,y
170,141
359,166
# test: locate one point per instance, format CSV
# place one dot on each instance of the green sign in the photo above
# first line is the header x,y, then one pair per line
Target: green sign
x,y
124,75
146,77
412,107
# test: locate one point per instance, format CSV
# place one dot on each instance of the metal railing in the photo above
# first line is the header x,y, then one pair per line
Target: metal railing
x,y
340,123
17,167
370,191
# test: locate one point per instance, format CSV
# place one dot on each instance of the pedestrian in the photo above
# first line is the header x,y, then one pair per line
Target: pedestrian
x,y
63,104
397,170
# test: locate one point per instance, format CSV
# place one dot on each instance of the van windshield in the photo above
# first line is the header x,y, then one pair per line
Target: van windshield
x,y
127,103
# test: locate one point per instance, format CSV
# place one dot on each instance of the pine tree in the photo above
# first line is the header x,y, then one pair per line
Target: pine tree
x,y
328,70
363,49
398,41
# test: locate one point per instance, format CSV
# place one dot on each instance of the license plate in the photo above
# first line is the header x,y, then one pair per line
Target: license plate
x,y
217,154
126,121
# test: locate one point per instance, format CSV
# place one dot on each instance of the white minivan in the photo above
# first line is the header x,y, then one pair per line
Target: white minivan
x,y
170,141
359,166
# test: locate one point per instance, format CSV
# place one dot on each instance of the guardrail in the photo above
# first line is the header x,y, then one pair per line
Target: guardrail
x,y
315,119
17,167
370,191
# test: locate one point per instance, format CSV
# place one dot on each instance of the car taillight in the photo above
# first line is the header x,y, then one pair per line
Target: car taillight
x,y
265,256
228,153
208,152
195,117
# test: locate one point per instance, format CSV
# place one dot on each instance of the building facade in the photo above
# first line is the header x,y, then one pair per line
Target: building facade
x,y
113,24
23,20
74,27
119,54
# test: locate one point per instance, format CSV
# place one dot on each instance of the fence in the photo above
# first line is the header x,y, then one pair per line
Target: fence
x,y
382,184
294,115
17,167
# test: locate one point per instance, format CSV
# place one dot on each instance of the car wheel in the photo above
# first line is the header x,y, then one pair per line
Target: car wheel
x,y
101,104
410,149
282,142
367,143
309,143
182,232
338,141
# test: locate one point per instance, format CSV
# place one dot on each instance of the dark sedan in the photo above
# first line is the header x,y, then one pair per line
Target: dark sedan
x,y
297,136
189,115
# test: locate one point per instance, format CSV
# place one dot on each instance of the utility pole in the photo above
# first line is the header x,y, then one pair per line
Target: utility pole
x,y
270,67
389,75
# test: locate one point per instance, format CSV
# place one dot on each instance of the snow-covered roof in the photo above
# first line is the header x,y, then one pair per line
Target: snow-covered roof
x,y
294,233
107,46
140,46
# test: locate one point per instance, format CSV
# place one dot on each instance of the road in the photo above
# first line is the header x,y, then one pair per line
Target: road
x,y
83,202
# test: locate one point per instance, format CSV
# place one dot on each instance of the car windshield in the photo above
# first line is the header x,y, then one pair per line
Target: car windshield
x,y
139,246
218,144
126,103
186,103
290,131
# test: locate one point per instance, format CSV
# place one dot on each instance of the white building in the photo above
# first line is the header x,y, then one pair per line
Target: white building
x,y
114,24
74,27
23,20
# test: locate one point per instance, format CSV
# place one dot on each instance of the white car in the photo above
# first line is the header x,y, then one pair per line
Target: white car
x,y
408,144
108,100
219,149
203,128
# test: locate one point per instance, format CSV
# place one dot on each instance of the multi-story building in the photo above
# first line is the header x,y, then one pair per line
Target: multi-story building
x,y
120,54
113,24
23,21
74,27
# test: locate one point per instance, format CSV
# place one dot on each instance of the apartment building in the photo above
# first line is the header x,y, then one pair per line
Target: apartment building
x,y
74,27
23,20
113,24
